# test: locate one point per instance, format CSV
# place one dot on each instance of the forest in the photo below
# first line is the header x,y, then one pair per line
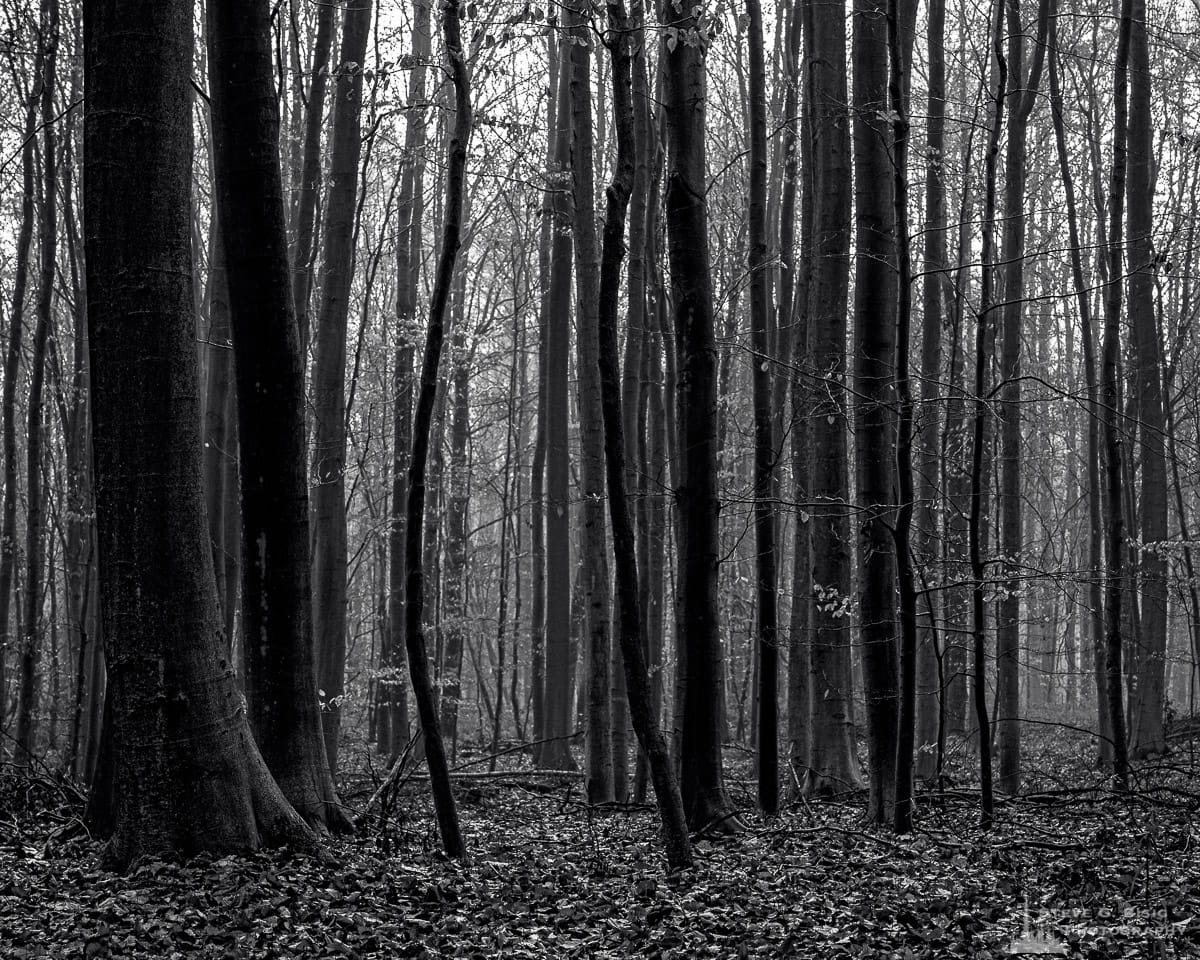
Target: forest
x,y
588,479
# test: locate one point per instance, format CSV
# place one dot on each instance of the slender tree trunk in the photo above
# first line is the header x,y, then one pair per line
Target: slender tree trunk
x,y
12,366
931,694
765,560
185,771
594,569
1147,692
1022,94
555,753
414,628
1095,500
1110,402
874,346
979,441
35,506
329,378
608,372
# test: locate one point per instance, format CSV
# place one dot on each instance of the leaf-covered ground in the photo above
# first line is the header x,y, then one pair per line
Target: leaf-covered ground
x,y
1070,870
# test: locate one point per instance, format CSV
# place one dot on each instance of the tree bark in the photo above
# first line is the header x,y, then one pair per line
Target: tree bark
x,y
281,680
329,378
186,773
555,753
608,372
35,507
874,345
704,795
1147,691
414,628
304,226
1110,401
833,767
766,585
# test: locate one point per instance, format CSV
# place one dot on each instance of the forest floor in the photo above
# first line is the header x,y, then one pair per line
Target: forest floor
x,y
1070,869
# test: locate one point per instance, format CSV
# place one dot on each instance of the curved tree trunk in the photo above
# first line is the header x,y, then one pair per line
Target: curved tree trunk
x,y
414,630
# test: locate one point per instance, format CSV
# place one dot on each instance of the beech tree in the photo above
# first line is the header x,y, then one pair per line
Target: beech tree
x,y
280,668
187,775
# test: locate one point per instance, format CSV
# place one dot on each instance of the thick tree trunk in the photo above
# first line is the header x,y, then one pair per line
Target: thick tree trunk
x,y
281,680
186,773
705,798
414,628
833,766
329,378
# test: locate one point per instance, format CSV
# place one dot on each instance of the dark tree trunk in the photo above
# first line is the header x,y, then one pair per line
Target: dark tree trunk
x,y
35,507
1147,691
593,546
874,347
281,679
1022,96
220,432
410,215
329,378
767,741
537,480
414,628
1110,402
186,775
608,372
931,692
833,767
704,796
